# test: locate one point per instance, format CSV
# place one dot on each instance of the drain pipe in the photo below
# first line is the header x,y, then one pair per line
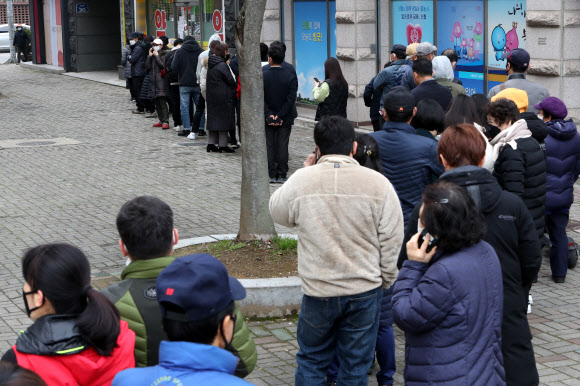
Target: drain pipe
x,y
282,32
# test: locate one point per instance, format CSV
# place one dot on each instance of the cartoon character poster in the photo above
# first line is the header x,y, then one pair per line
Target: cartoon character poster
x,y
506,21
460,27
412,22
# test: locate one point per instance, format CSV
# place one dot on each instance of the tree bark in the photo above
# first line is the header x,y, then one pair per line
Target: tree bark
x,y
255,219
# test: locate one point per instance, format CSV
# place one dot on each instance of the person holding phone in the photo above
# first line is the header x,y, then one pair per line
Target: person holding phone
x,y
448,297
332,94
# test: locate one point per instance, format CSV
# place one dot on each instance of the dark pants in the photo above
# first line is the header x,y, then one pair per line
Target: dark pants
x,y
162,109
137,84
557,223
349,323
277,139
175,105
232,133
199,114
376,125
21,50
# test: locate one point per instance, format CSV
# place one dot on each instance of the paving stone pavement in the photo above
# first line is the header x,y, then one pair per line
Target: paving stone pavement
x,y
72,193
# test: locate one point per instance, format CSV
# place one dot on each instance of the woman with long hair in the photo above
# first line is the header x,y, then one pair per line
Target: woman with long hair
x,y
462,109
77,337
429,120
332,93
448,297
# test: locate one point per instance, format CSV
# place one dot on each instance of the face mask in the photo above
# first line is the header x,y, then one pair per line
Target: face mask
x,y
419,227
157,48
540,117
132,42
227,57
229,344
19,29
30,310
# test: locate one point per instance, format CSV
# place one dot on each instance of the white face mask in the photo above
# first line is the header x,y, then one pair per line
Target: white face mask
x,y
419,227
132,42
541,117
19,29
157,48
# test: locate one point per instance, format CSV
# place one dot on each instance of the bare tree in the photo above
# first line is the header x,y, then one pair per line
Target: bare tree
x,y
10,17
255,219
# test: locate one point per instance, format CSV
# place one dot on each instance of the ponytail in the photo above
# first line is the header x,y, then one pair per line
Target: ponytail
x,y
99,322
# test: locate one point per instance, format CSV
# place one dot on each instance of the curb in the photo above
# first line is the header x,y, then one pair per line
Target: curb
x,y
265,298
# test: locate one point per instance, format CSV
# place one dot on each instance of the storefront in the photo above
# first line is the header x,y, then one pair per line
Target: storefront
x,y
479,31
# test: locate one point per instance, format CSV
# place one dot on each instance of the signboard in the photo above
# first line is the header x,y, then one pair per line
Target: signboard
x,y
312,43
506,21
218,21
412,22
82,8
160,22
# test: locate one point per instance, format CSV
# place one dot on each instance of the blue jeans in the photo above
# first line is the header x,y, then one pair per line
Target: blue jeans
x,y
347,323
186,95
556,224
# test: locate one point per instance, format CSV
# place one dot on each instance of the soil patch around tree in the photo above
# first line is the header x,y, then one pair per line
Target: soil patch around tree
x,y
252,259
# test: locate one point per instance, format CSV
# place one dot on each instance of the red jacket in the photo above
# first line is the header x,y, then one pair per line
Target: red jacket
x,y
86,368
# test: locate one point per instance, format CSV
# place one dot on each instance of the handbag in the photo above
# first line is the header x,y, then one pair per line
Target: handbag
x,y
163,73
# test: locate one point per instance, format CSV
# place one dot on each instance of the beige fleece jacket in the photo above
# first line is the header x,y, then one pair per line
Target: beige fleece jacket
x,y
349,223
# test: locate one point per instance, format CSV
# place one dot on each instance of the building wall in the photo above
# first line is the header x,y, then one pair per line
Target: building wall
x,y
21,13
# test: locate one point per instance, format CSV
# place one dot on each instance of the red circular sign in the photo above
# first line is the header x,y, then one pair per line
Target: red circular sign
x,y
217,20
158,19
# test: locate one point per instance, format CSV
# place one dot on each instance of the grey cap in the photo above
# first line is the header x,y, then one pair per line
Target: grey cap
x,y
426,48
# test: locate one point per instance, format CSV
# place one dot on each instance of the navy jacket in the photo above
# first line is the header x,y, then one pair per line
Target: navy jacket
x,y
184,63
430,89
562,164
385,80
280,88
409,161
451,312
137,59
372,98
404,76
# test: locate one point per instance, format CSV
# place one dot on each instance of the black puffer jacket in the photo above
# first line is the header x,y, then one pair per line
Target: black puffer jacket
x,y
336,101
137,59
220,95
523,171
537,127
511,233
21,39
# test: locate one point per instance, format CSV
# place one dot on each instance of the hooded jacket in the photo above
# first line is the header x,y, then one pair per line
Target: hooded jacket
x,y
537,127
562,164
185,363
137,59
184,63
205,54
451,312
511,233
53,348
443,74
135,297
220,95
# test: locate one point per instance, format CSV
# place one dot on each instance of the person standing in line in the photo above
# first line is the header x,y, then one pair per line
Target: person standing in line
x,y
198,120
159,88
404,75
386,79
21,43
563,168
221,100
331,94
426,50
429,121
174,86
184,64
280,88
443,74
372,98
453,58
137,59
511,233
127,72
346,253
427,87
448,297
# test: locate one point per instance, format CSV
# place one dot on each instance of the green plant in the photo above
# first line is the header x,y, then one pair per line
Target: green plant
x,y
284,244
227,245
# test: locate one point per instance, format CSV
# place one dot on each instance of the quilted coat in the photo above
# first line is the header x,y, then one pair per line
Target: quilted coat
x,y
220,95
451,312
409,161
562,164
159,87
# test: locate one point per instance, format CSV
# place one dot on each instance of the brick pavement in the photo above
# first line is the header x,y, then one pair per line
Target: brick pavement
x,y
72,193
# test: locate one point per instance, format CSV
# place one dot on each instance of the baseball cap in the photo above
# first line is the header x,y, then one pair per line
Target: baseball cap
x,y
519,97
412,49
425,48
136,35
399,100
553,107
399,49
158,42
199,285
518,57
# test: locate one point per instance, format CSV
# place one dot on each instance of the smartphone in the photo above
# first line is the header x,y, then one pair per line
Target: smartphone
x,y
432,242
316,155
316,80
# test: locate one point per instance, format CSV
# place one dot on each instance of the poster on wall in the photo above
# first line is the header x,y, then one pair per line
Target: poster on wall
x,y
506,23
311,44
412,22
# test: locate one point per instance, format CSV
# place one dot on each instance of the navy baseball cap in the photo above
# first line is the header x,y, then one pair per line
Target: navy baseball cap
x,y
399,49
199,285
518,57
136,35
399,100
553,107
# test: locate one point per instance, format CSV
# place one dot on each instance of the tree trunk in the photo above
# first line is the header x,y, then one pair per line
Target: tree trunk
x,y
255,219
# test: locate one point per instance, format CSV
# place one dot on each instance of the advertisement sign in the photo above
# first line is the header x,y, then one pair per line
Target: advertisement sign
x,y
472,81
506,23
311,44
412,22
160,22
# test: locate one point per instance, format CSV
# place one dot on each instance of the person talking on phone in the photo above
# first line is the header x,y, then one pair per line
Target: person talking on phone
x,y
511,233
448,297
331,94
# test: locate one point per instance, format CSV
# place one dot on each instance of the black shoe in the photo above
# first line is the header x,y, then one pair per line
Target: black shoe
x,y
226,149
281,180
273,180
213,148
184,133
236,145
558,279
138,112
201,133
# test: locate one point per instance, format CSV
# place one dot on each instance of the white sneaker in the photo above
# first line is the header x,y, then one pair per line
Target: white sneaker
x,y
191,135
178,128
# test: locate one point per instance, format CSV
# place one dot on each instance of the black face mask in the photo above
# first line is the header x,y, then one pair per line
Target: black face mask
x,y
30,310
229,344
491,131
227,57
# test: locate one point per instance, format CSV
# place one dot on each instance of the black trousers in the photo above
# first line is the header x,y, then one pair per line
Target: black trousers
x,y
137,85
175,105
199,112
277,139
376,125
21,50
232,132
